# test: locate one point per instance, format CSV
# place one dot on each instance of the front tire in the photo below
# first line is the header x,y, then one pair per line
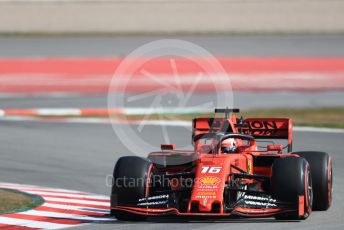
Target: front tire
x,y
130,183
291,178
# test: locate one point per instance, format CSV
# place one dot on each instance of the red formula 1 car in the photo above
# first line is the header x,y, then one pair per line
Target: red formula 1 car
x,y
226,174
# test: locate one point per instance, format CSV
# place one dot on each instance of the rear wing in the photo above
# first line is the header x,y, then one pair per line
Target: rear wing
x,y
269,128
216,124
259,128
205,125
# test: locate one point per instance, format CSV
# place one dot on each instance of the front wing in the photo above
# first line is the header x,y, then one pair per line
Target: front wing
x,y
243,211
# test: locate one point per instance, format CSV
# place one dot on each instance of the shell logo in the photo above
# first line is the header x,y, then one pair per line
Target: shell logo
x,y
209,180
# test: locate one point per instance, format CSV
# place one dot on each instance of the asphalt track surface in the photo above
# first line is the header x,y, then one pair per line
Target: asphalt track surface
x,y
243,100
80,156
331,45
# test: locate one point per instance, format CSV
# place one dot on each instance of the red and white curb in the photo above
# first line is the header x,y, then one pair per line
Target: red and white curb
x,y
62,209
100,115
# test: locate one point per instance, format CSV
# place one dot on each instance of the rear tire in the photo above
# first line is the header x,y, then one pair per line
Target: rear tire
x,y
321,168
290,179
129,185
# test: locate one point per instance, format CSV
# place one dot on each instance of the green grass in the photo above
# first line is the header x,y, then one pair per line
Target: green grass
x,y
15,201
320,117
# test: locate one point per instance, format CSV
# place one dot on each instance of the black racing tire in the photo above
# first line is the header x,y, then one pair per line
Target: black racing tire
x,y
291,178
321,169
130,178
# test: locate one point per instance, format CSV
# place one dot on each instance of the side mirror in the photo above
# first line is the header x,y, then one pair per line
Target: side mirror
x,y
275,147
168,146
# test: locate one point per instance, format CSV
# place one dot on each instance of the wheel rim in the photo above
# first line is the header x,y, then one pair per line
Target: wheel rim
x,y
308,192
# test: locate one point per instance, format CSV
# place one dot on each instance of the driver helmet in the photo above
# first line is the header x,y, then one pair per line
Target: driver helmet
x,y
229,146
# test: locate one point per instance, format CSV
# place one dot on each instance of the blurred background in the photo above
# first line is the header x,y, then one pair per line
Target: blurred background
x,y
277,53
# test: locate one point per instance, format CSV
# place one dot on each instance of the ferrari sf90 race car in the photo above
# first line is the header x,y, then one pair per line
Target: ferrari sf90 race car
x,y
235,169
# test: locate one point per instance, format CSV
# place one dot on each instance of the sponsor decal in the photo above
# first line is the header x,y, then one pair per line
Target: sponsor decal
x,y
205,201
152,203
265,202
153,200
206,193
158,197
207,187
261,124
261,127
205,197
209,180
250,197
249,167
260,204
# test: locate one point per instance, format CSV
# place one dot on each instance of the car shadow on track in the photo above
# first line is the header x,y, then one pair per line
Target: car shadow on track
x,y
186,220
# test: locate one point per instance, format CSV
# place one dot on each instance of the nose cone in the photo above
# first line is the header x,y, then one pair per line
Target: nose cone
x,y
205,205
207,194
